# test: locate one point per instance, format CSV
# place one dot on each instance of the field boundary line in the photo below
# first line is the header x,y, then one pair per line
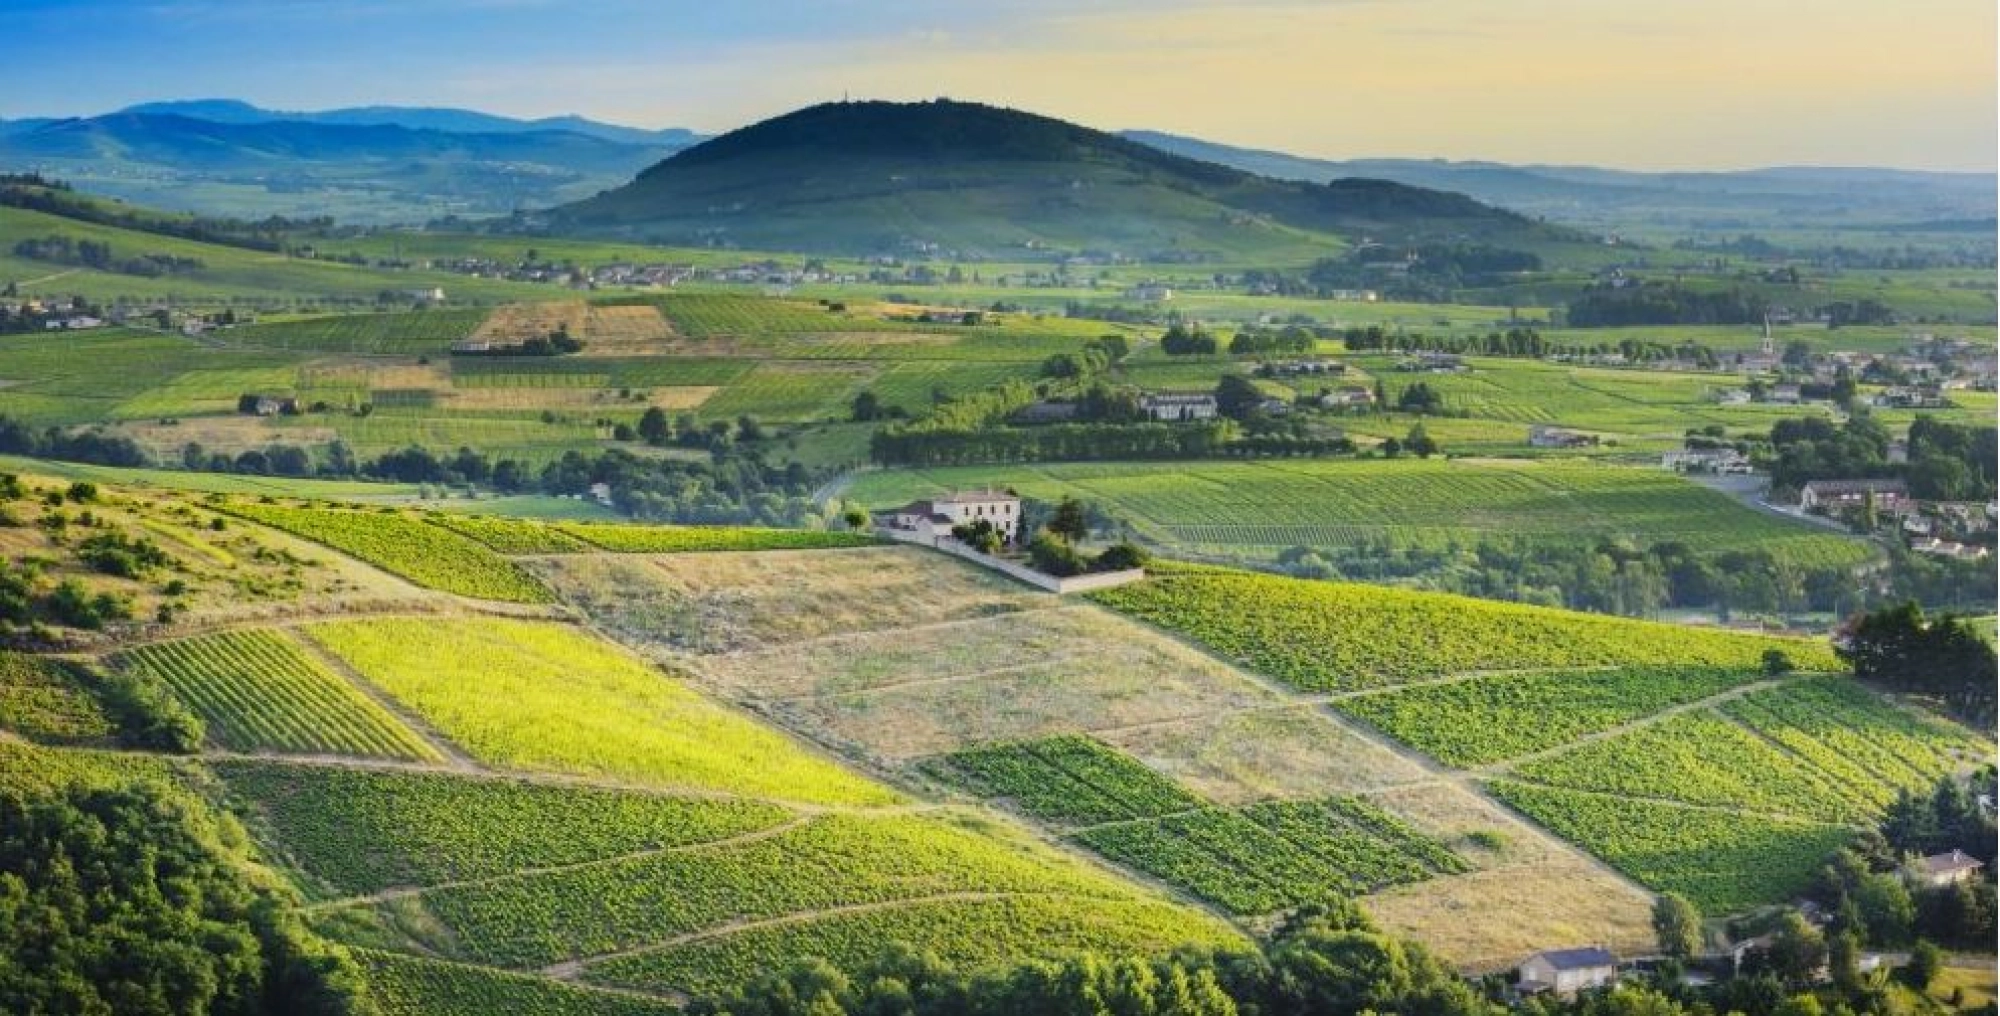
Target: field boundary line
x,y
1736,810
1506,766
454,756
569,969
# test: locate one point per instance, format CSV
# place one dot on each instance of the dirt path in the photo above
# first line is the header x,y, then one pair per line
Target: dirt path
x,y
454,756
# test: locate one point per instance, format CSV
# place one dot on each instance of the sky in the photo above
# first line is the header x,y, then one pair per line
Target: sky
x,y
1643,84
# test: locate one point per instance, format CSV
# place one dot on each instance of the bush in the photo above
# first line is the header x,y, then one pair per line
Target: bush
x,y
148,715
1121,556
1054,557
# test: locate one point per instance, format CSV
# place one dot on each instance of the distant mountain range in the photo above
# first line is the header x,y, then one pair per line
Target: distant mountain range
x,y
370,165
427,118
861,177
1800,197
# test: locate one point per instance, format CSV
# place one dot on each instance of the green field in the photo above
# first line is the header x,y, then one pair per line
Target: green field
x,y
1277,855
429,828
1325,636
1253,509
1723,861
1487,719
1067,779
259,691
548,697
427,555
45,701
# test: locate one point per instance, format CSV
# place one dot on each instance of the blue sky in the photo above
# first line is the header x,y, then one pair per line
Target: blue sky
x,y
1686,84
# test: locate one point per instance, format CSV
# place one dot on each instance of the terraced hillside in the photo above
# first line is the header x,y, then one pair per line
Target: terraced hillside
x,y
812,745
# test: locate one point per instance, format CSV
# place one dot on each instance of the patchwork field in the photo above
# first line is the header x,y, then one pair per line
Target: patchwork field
x,y
942,681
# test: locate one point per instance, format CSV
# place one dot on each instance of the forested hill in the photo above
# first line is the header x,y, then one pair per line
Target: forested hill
x,y
867,176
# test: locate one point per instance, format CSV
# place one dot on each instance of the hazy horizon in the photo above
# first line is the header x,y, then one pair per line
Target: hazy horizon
x,y
1701,85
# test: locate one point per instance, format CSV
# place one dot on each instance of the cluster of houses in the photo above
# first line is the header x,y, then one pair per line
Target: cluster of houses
x,y
1427,362
1937,528
1713,461
1567,972
1302,368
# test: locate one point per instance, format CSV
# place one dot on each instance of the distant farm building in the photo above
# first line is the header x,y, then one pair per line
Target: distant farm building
x,y
1347,397
1540,436
1151,292
1565,972
1179,408
934,519
1719,461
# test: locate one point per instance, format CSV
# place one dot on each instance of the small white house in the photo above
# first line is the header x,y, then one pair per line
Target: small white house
x,y
1721,461
1179,408
1946,869
934,519
1565,972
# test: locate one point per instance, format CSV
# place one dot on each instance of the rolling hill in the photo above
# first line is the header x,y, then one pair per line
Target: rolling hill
x,y
979,181
432,118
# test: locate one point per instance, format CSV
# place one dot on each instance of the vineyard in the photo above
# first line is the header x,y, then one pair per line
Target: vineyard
x,y
1725,862
969,933
1869,746
687,539
44,700
404,545
1702,759
1277,855
1487,719
258,691
428,828
832,861
1068,779
410,986
1324,636
431,331
510,536
543,696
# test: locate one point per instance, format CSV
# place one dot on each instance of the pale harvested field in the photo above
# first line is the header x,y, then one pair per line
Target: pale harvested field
x,y
1533,892
1490,920
734,601
515,323
624,331
399,376
1292,751
1093,692
221,434
677,397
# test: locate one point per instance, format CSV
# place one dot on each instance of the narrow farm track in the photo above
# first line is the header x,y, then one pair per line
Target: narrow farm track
x,y
454,756
557,869
429,607
1506,766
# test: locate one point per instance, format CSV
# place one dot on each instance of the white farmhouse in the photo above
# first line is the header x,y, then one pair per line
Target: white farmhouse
x,y
1177,408
934,519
